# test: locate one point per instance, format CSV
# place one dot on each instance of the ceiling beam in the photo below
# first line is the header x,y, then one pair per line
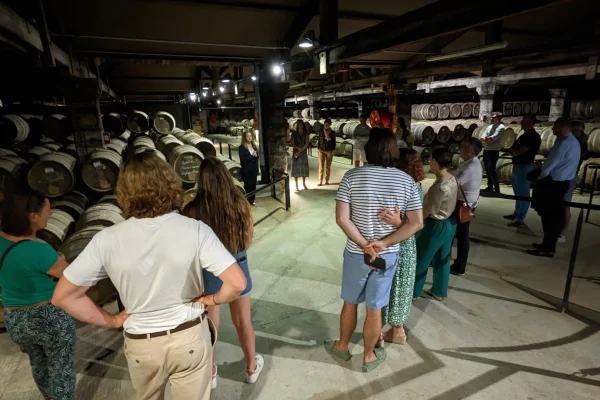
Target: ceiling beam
x,y
300,22
169,58
435,46
436,19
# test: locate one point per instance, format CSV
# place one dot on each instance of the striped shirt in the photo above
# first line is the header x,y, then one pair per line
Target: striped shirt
x,y
369,189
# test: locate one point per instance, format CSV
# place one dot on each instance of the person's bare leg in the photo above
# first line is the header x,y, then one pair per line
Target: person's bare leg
x,y
296,179
304,183
567,220
347,326
214,313
371,333
241,318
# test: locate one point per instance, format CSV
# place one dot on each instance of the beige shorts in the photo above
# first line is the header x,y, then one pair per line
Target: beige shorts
x,y
358,154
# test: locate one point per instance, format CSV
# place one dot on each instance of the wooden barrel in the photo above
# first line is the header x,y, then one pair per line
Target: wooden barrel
x,y
313,139
143,141
34,153
13,128
455,110
167,144
160,155
458,130
350,127
454,147
589,176
305,113
507,108
163,122
101,170
55,126
189,195
297,113
339,147
504,169
104,214
470,127
59,226
466,110
53,175
114,124
476,108
338,127
508,138
125,136
12,175
117,146
186,161
517,108
478,132
456,160
35,128
544,107
75,243
205,145
309,128
423,134
535,107
425,111
110,199
443,134
53,146
443,111
178,133
317,126
548,139
593,142
526,107
138,122
348,147
72,203
234,168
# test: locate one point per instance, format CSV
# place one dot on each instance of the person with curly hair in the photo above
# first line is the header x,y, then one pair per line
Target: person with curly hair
x,y
397,311
155,258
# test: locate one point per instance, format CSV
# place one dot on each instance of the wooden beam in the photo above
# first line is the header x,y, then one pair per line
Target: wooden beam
x,y
592,68
435,46
436,19
300,23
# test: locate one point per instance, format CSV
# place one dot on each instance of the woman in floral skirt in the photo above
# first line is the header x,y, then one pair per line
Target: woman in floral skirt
x,y
398,309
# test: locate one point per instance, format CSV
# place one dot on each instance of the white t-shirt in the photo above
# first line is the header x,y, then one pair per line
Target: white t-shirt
x,y
156,265
369,189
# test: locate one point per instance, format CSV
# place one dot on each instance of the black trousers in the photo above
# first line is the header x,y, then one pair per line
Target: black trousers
x,y
547,200
463,245
490,159
250,186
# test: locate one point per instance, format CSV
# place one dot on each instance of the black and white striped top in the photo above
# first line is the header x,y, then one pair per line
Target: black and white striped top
x,y
370,188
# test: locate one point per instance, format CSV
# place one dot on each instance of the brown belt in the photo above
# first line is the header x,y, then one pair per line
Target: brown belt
x,y
41,303
179,328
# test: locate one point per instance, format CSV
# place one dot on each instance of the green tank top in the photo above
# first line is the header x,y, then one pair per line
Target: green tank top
x,y
23,277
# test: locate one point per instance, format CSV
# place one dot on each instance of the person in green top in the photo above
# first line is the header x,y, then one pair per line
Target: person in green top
x,y
28,267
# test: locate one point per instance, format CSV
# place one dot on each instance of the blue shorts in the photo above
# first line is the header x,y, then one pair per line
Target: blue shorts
x,y
212,284
362,284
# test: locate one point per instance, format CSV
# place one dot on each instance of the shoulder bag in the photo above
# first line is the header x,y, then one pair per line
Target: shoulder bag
x,y
463,212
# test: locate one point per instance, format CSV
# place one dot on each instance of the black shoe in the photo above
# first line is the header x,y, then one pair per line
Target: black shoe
x,y
510,217
457,273
488,190
516,224
541,253
536,245
455,270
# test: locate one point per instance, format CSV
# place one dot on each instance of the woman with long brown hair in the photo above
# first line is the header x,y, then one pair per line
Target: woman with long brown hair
x,y
300,142
397,311
220,205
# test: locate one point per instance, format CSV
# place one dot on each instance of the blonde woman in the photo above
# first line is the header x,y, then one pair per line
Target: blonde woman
x,y
248,152
220,205
155,259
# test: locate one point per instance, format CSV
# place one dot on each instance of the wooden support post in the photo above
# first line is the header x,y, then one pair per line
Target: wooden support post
x,y
592,68
486,101
557,104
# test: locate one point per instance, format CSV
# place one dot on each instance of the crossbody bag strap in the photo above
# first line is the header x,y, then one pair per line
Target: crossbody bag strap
x,y
461,190
11,247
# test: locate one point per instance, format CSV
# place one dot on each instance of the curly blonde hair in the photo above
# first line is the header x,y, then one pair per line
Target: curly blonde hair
x,y
221,205
148,187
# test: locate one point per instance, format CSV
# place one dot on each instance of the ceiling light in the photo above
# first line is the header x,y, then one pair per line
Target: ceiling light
x,y
277,70
226,79
218,101
253,78
308,40
205,87
468,52
193,96
235,88
221,89
203,94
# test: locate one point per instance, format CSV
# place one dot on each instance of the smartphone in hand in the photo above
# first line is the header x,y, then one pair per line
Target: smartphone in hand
x,y
378,263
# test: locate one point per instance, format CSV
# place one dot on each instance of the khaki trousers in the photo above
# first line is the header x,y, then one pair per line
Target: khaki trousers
x,y
325,159
184,359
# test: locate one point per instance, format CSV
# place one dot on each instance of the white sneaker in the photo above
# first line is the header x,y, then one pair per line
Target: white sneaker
x,y
561,239
260,363
213,383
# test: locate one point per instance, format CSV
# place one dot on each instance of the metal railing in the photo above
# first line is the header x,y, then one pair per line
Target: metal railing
x,y
582,206
310,147
277,176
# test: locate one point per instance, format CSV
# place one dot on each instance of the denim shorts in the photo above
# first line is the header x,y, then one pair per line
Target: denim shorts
x,y
360,284
212,284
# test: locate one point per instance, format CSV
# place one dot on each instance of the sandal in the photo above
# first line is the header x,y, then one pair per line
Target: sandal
x,y
396,339
381,356
438,298
342,354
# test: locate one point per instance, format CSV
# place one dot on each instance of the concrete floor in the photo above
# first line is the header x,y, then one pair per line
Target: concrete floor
x,y
497,336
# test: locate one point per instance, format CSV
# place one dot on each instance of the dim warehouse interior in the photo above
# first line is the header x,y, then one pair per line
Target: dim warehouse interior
x,y
85,85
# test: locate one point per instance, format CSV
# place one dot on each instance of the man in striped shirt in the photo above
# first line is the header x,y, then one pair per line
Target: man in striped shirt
x,y
363,192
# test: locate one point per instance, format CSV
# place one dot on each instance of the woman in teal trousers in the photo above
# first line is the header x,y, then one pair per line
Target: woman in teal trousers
x,y
434,241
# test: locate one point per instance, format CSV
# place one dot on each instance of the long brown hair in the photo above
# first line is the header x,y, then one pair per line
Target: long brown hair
x,y
221,205
411,163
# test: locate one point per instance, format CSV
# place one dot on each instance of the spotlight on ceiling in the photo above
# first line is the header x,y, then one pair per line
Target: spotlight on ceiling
x,y
253,77
308,40
221,89
203,94
277,70
226,79
193,96
205,87
218,101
